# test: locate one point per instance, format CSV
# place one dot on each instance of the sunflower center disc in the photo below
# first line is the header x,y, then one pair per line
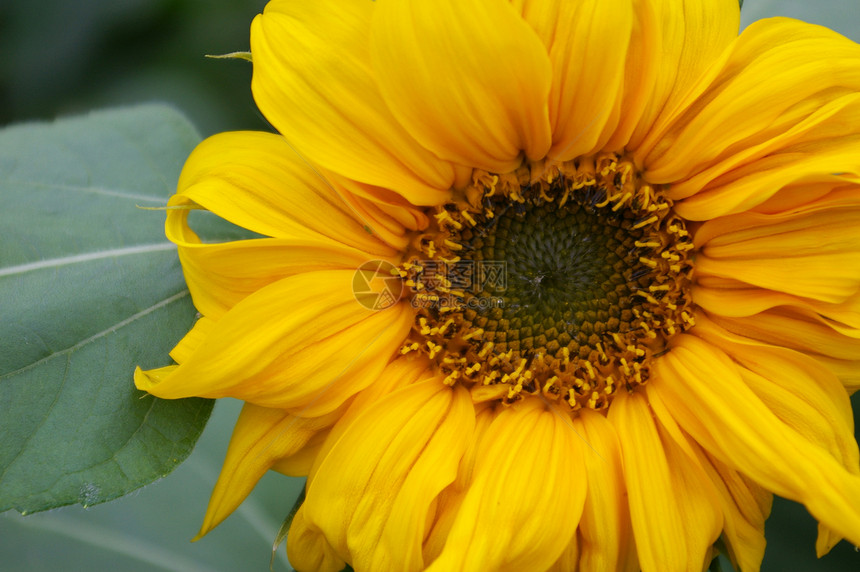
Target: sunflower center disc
x,y
564,276
562,284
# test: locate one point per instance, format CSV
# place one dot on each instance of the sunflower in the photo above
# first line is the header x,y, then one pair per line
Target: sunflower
x,y
542,285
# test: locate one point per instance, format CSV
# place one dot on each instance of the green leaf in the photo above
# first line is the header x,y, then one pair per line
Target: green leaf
x,y
91,288
149,530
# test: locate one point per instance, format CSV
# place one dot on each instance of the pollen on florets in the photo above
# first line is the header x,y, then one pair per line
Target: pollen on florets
x,y
556,280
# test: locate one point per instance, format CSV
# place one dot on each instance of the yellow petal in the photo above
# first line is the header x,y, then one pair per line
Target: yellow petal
x,y
220,276
527,477
798,196
395,215
779,109
730,421
782,379
585,103
673,505
403,371
303,343
308,549
449,501
192,340
469,79
372,493
390,221
299,464
826,277
749,235
643,63
691,35
813,255
605,530
741,300
261,437
727,296
825,160
569,559
790,213
848,372
148,378
313,80
801,393
806,332
257,181
744,505
826,540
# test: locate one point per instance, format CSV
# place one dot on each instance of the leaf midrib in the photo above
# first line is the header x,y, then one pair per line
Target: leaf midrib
x,y
101,334
83,189
85,257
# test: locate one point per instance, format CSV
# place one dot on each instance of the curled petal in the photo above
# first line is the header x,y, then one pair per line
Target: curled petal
x,y
192,340
220,276
401,372
308,549
744,505
795,387
257,181
449,501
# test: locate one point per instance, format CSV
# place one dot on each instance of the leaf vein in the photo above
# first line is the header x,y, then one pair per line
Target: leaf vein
x,y
85,257
103,333
95,190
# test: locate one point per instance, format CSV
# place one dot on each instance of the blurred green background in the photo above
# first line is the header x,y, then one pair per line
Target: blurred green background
x,y
62,58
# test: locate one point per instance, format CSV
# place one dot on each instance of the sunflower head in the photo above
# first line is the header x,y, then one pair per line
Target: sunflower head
x,y
542,285
560,281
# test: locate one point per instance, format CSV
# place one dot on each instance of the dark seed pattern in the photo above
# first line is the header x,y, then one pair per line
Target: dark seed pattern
x,y
596,282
